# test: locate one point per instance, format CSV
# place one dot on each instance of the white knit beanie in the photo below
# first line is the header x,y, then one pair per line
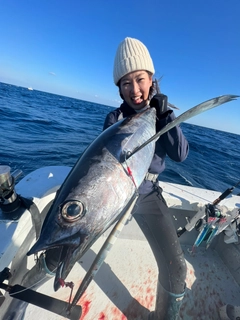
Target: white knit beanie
x,y
131,55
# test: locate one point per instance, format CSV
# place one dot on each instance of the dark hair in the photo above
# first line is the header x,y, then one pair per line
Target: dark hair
x,y
152,91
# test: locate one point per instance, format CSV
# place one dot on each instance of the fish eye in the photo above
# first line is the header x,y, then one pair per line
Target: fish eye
x,y
73,210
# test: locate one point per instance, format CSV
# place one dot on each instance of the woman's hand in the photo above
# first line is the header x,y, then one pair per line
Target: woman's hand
x,y
160,103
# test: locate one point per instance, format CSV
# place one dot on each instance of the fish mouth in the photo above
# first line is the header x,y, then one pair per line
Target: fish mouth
x,y
64,265
61,257
68,256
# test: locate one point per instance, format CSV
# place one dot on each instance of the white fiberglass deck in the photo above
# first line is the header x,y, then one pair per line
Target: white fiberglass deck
x,y
124,288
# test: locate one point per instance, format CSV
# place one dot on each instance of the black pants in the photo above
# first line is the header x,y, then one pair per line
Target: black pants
x,y
154,219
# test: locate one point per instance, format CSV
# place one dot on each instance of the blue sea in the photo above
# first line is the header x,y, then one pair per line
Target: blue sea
x,y
43,129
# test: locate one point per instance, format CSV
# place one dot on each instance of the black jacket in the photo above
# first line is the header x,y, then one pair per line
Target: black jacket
x,y
172,143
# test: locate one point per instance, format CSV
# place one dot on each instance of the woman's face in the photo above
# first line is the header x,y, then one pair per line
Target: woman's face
x,y
135,87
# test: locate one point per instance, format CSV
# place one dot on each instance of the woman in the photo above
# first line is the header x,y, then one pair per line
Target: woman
x,y
133,74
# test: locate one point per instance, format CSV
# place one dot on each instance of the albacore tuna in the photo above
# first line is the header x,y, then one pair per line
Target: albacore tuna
x,y
97,189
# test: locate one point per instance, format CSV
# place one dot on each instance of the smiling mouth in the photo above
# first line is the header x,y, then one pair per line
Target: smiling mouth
x,y
137,100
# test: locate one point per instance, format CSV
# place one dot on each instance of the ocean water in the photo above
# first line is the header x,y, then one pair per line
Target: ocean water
x,y
43,129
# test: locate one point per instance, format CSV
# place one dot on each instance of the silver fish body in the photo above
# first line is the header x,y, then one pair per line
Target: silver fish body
x,y
97,189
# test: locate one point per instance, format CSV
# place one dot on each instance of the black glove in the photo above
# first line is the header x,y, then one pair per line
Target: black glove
x,y
160,103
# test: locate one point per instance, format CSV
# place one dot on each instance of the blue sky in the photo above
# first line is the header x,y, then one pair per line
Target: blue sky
x,y
68,48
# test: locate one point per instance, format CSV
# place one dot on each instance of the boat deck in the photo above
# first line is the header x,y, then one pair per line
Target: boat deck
x,y
124,287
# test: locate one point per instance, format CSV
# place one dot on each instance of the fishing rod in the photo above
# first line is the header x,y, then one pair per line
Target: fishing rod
x,y
215,223
202,107
214,212
225,194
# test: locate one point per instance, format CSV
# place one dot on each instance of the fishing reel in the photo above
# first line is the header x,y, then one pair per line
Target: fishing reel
x,y
212,219
218,220
208,226
212,213
9,200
